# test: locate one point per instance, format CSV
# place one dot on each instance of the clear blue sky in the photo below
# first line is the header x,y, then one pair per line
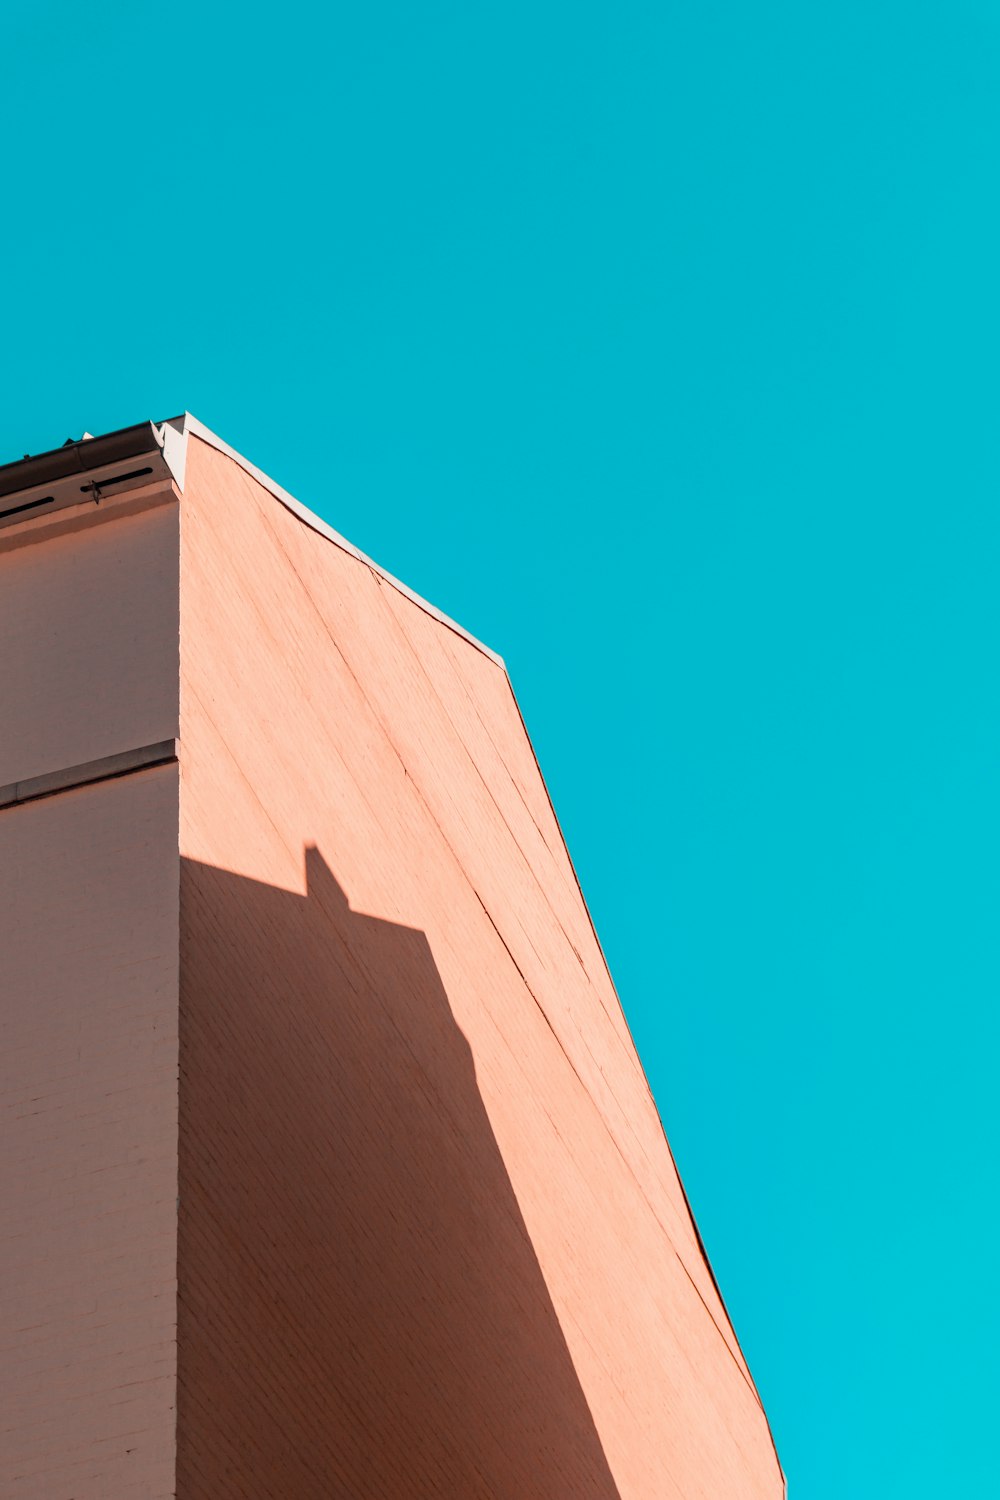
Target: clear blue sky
x,y
658,344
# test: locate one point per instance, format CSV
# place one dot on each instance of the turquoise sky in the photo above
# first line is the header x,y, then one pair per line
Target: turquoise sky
x,y
658,344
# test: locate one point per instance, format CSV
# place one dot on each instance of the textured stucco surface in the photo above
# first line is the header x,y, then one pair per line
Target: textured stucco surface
x,y
432,1241
88,621
88,1172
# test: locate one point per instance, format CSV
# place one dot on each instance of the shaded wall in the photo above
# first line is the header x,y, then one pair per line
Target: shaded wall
x,y
361,1309
88,1171
88,621
88,1007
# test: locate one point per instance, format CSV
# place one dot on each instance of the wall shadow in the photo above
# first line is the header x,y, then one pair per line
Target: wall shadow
x,y
361,1312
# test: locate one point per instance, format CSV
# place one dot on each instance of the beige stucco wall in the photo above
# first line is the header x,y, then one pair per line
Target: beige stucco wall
x,y
88,622
88,1008
88,1171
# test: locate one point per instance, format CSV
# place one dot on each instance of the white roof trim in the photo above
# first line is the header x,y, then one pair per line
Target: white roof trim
x,y
174,435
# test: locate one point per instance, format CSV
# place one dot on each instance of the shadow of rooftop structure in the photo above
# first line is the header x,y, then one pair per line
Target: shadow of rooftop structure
x,y
361,1311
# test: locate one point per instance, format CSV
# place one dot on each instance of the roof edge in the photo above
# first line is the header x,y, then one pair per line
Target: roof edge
x,y
174,435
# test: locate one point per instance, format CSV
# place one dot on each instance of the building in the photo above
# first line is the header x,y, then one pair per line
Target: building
x,y
331,1169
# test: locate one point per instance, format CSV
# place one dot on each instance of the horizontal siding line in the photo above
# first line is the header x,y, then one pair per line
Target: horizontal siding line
x,y
103,769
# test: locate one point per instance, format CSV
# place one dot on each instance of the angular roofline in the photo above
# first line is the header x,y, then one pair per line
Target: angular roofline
x,y
60,468
175,433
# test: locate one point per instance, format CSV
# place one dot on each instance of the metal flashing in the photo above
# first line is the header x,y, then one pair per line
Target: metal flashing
x,y
173,440
82,473
76,458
